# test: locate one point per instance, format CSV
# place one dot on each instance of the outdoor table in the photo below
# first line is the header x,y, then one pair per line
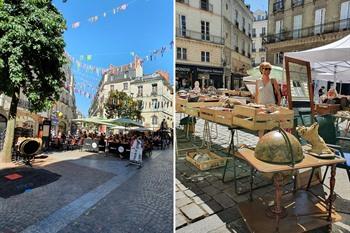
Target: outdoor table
x,y
303,211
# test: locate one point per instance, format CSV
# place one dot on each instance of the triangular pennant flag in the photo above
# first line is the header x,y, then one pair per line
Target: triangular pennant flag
x,y
88,57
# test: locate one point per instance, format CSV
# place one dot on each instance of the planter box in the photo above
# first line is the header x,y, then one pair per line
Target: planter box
x,y
214,162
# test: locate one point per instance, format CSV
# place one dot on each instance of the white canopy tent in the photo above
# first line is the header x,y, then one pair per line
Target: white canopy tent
x,y
330,62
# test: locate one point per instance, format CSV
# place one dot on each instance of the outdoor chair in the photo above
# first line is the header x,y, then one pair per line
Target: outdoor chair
x,y
87,144
329,132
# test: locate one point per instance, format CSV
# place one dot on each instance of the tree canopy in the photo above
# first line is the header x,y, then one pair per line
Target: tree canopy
x,y
32,50
119,104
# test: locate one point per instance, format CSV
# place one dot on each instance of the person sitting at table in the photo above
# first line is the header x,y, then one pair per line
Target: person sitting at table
x,y
332,93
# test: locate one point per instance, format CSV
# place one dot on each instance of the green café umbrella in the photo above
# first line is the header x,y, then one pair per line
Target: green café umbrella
x,y
95,120
126,122
254,74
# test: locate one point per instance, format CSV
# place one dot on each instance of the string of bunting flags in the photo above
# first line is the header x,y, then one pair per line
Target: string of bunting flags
x,y
115,70
95,18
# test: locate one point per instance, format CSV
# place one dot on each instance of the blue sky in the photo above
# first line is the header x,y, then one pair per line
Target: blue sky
x,y
144,26
257,4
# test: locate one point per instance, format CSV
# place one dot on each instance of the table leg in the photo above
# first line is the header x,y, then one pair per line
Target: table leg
x,y
251,183
277,211
229,153
331,192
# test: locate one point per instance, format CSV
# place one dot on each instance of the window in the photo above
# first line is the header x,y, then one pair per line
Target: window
x,y
319,20
236,13
205,56
254,32
181,53
125,86
154,104
259,17
248,28
243,24
154,120
297,22
205,30
112,87
205,4
182,25
279,29
263,31
345,15
140,91
154,89
279,58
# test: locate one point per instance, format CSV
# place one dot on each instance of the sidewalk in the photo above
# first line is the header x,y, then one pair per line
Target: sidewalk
x,y
95,193
205,204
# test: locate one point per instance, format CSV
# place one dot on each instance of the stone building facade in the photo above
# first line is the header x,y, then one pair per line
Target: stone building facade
x,y
154,91
213,42
259,30
296,25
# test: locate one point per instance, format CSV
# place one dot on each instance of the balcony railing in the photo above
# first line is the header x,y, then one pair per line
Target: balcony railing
x,y
296,3
199,36
254,50
262,34
261,49
183,1
278,6
337,26
154,93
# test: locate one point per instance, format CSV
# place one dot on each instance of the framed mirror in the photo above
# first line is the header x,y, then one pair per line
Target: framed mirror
x,y
299,84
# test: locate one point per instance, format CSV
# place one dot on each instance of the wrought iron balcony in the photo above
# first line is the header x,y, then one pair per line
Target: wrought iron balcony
x,y
296,3
199,36
337,26
261,49
278,6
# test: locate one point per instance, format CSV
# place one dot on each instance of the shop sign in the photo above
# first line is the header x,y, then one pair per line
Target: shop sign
x,y
210,70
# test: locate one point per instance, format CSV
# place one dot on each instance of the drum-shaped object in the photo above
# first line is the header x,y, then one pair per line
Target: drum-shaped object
x,y
29,146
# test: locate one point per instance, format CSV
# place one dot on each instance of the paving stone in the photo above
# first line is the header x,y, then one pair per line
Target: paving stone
x,y
203,183
222,229
205,225
197,200
230,214
182,187
220,185
216,207
192,211
179,195
183,201
189,193
180,220
224,200
238,226
196,190
204,197
206,208
210,190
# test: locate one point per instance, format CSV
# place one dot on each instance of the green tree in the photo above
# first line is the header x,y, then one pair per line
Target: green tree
x,y
119,104
31,57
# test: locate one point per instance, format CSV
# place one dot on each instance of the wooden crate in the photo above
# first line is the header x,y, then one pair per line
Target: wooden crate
x,y
180,104
203,104
207,113
249,117
215,161
192,111
324,109
224,116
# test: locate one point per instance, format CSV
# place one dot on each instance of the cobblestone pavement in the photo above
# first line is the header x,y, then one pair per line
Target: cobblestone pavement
x,y
206,204
95,194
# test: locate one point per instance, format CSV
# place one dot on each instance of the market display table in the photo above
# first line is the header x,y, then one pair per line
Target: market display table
x,y
296,212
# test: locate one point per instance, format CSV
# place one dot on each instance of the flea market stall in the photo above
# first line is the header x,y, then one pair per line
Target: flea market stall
x,y
278,154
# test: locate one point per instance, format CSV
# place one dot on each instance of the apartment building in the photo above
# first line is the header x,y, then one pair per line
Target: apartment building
x,y
154,91
296,25
259,30
213,42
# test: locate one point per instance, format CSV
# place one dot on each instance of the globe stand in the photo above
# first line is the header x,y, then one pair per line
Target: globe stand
x,y
277,211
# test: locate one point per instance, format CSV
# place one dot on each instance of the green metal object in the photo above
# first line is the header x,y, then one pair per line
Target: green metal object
x,y
279,147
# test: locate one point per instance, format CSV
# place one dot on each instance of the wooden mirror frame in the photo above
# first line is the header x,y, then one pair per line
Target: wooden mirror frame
x,y
288,60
